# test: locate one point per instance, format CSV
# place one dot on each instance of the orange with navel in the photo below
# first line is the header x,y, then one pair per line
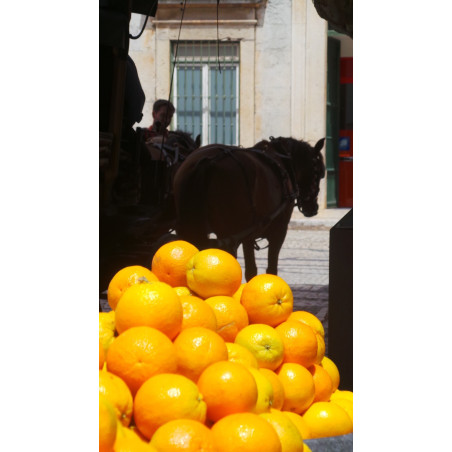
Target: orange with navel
x,y
118,393
196,312
264,392
278,388
196,349
169,263
126,277
227,388
213,272
268,299
300,342
153,304
231,316
167,397
139,353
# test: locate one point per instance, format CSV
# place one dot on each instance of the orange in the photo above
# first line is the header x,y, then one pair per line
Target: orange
x,y
196,349
196,312
306,448
332,370
322,383
106,328
128,441
139,353
124,278
169,263
107,425
264,342
213,272
182,290
300,342
245,432
341,394
300,423
231,316
264,391
327,419
166,397
291,440
101,355
267,299
153,304
320,348
183,434
238,293
239,354
309,319
298,386
347,405
118,394
278,388
227,388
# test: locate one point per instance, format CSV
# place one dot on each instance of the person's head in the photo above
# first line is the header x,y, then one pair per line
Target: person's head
x,y
162,112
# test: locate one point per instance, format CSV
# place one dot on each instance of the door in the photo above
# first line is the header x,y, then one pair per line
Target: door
x,y
332,121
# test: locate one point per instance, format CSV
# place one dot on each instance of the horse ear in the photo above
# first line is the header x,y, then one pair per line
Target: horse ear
x,y
198,140
319,145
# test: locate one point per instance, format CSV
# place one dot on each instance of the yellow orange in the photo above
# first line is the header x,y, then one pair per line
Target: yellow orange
x,y
227,388
196,349
309,319
139,353
347,405
127,440
264,342
231,316
239,354
101,355
238,293
322,383
118,394
245,432
196,312
182,290
107,425
329,365
183,434
267,299
169,263
342,394
126,277
166,397
306,448
278,388
291,440
327,419
300,342
300,423
320,348
264,391
298,386
106,329
152,304
213,272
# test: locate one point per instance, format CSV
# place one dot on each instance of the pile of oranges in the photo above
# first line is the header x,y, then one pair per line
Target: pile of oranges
x,y
192,359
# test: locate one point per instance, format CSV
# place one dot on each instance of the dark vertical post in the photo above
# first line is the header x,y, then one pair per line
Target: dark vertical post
x,y
340,299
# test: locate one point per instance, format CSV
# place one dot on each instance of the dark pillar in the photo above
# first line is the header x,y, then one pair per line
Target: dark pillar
x,y
340,299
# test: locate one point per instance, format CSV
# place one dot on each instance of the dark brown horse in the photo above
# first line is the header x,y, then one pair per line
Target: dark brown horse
x,y
241,195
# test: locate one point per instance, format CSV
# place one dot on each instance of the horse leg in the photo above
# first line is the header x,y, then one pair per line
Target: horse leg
x,y
275,243
250,262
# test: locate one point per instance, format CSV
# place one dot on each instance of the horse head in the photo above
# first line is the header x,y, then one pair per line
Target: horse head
x,y
308,168
182,141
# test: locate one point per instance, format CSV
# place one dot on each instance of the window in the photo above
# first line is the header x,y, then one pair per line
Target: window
x,y
205,91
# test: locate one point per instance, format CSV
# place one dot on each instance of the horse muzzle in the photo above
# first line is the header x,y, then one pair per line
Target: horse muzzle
x,y
309,211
